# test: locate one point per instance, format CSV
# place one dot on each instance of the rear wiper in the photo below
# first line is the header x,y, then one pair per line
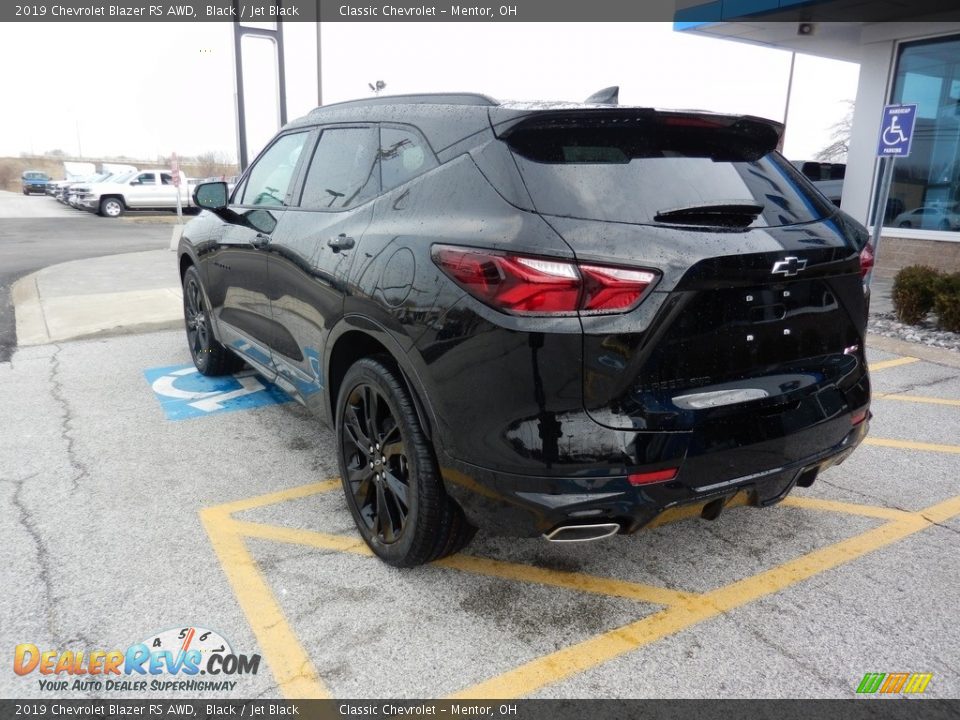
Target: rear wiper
x,y
714,214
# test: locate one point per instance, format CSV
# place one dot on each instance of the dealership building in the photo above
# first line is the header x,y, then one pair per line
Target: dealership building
x,y
908,54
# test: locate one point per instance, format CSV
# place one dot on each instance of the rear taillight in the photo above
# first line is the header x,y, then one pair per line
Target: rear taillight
x,y
528,285
613,289
866,260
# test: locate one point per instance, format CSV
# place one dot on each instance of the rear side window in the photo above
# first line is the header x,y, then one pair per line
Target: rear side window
x,y
639,171
403,156
269,180
343,170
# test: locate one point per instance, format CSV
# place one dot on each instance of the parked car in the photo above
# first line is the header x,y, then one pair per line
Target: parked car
x,y
826,177
33,181
80,191
535,319
144,190
930,217
64,187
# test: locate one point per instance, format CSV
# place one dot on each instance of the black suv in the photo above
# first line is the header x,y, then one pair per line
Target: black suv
x,y
544,319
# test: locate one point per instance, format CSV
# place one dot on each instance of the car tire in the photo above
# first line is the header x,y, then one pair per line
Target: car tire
x,y
389,471
111,207
209,356
906,224
945,225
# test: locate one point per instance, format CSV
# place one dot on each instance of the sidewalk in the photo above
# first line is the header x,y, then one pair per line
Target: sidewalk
x,y
132,292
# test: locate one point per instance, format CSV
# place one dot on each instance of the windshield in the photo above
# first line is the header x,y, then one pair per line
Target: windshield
x,y
36,176
645,172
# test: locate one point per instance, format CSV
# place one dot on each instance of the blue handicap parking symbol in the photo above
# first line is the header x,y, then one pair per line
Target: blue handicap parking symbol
x,y
896,130
184,393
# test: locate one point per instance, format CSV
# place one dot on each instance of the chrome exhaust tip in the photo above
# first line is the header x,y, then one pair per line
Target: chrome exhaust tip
x,y
582,533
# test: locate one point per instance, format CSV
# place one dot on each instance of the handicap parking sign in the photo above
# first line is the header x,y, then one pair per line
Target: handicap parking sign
x,y
896,130
185,393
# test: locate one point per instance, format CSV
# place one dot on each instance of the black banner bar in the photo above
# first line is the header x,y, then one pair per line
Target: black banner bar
x,y
685,11
892,708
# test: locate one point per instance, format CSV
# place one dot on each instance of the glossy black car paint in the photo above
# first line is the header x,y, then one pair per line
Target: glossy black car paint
x,y
539,421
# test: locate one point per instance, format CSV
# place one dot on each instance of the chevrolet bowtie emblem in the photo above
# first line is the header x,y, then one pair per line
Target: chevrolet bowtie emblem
x,y
789,266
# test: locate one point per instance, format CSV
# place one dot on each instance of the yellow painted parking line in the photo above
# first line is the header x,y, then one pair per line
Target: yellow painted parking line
x,y
895,362
911,445
569,580
941,512
569,661
297,677
476,565
874,511
916,399
291,666
310,538
276,497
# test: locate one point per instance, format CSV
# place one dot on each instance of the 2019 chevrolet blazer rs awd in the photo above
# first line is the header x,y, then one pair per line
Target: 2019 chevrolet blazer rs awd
x,y
544,319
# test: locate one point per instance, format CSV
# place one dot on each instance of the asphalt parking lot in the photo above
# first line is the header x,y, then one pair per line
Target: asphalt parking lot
x,y
141,499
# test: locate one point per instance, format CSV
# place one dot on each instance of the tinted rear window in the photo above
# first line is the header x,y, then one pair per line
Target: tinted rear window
x,y
630,172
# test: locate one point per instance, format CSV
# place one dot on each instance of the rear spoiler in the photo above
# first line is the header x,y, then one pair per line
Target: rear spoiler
x,y
762,133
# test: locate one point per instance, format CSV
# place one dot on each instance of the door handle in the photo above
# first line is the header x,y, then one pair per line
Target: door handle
x,y
260,240
341,242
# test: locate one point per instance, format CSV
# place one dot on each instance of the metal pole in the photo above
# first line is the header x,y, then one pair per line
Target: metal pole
x,y
241,105
281,71
786,106
319,61
880,210
239,31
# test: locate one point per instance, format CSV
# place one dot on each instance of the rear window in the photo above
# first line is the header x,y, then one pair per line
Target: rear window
x,y
632,172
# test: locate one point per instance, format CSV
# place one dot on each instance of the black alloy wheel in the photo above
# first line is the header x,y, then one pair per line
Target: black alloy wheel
x,y
209,356
376,461
389,470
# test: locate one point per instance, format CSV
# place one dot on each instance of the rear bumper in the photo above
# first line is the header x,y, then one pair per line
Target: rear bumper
x,y
527,506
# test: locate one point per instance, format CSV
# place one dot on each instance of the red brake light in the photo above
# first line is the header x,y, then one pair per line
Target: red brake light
x,y
513,283
531,285
613,288
652,477
866,260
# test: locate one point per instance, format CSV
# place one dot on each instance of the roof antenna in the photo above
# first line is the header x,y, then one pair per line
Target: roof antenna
x,y
607,96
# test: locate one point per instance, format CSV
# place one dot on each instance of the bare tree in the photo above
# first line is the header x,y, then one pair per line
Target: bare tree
x,y
836,151
212,164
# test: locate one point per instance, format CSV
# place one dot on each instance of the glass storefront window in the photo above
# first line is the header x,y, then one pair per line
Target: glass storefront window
x,y
926,185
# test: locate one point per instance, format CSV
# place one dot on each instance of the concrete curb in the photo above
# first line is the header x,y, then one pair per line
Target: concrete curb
x,y
940,356
71,317
31,323
108,295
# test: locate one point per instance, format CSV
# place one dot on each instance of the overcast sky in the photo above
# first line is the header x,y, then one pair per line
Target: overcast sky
x,y
143,89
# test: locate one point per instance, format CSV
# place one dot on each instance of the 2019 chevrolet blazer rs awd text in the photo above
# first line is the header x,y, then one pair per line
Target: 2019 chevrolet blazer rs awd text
x,y
545,319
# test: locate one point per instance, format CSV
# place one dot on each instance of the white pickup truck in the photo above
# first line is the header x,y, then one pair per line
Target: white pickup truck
x,y
146,190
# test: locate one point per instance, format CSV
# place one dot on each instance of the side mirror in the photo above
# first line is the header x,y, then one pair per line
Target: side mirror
x,y
211,195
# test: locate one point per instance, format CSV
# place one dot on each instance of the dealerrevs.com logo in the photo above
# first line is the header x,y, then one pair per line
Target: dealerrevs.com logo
x,y
170,661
